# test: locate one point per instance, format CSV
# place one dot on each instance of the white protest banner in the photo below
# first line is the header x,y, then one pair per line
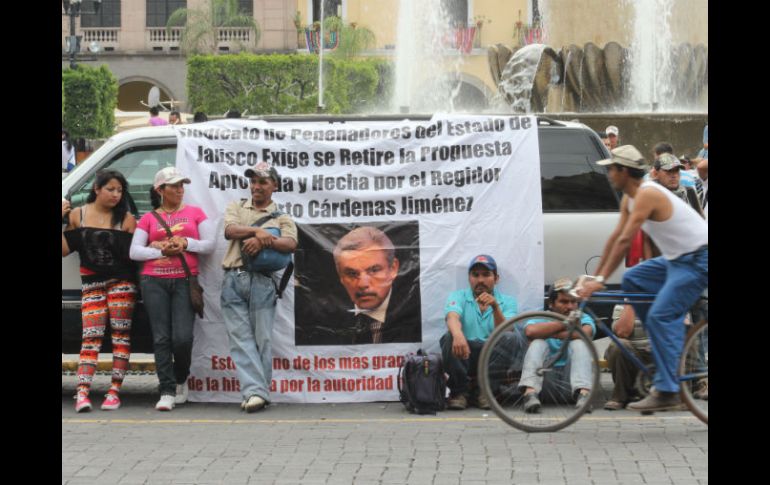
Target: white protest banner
x,y
441,190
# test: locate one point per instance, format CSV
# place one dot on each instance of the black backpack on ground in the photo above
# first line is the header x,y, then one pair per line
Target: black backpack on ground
x,y
422,384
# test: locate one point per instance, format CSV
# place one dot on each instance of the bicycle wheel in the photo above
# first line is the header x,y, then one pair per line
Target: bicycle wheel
x,y
694,371
499,379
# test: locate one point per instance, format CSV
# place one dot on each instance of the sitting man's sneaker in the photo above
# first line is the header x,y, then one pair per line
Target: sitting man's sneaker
x,y
481,401
82,403
181,393
254,404
701,390
166,403
613,405
458,402
531,403
583,399
657,401
111,402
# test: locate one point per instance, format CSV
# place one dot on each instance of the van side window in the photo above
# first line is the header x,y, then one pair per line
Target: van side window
x,y
571,181
138,165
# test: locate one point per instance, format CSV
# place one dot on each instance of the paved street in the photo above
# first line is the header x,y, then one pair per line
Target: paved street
x,y
372,443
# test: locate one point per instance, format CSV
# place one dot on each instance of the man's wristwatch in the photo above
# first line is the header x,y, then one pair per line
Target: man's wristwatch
x,y
599,279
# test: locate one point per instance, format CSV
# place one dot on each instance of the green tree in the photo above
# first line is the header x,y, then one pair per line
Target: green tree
x,y
200,34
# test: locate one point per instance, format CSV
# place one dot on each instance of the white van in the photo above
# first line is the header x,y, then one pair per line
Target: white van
x,y
580,209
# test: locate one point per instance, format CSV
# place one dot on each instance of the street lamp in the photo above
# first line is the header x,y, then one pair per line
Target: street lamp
x,y
72,8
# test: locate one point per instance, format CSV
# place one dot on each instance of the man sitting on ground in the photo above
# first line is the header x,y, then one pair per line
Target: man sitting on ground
x,y
629,330
572,373
471,316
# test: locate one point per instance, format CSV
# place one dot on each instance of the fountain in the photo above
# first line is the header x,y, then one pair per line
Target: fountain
x,y
652,75
653,89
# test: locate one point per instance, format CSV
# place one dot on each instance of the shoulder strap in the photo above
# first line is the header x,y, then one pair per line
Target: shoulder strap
x,y
171,234
82,215
284,279
262,220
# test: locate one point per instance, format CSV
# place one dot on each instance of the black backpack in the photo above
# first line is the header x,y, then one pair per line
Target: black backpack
x,y
422,384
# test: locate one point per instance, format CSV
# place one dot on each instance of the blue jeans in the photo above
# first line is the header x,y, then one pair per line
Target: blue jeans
x,y
248,308
169,308
508,355
678,284
561,383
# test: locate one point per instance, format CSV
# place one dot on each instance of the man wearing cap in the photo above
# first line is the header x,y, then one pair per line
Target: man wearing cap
x,y
471,315
612,135
667,172
248,298
678,277
571,376
686,179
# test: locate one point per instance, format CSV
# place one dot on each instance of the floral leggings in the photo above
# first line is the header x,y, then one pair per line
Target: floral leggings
x,y
105,300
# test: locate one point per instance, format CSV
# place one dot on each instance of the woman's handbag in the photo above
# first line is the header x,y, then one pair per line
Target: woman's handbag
x,y
196,291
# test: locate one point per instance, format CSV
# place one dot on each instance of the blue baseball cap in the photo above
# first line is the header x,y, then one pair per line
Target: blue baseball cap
x,y
484,260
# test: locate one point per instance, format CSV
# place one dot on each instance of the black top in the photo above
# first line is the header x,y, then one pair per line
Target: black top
x,y
103,251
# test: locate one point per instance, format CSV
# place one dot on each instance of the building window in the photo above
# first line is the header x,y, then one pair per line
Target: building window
x,y
246,7
534,12
332,8
158,11
456,12
108,16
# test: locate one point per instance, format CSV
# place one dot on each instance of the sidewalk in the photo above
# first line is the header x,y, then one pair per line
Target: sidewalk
x,y
368,443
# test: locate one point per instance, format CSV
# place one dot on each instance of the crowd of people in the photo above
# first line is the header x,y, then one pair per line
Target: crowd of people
x,y
667,213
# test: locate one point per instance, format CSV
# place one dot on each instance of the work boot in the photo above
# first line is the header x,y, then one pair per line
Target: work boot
x,y
458,402
657,401
481,401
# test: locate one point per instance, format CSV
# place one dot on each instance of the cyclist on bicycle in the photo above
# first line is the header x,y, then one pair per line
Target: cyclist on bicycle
x,y
678,277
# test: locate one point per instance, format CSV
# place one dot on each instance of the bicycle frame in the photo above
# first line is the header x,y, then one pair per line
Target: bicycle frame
x,y
605,297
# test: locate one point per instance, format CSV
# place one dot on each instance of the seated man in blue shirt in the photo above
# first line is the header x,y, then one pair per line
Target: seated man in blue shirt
x,y
471,316
572,374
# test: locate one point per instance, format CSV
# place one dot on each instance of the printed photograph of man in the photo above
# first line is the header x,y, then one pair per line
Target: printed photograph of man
x,y
375,298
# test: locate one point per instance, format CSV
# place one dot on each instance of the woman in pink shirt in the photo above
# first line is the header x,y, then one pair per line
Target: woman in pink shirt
x,y
164,283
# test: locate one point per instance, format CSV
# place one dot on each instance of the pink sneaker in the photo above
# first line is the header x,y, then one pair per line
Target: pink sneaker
x,y
111,402
82,403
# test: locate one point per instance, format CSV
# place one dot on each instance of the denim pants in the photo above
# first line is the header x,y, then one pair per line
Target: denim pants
x,y
248,308
508,354
562,382
678,283
168,305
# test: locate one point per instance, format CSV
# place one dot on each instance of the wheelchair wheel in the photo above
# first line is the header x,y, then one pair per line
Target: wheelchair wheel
x,y
694,371
499,380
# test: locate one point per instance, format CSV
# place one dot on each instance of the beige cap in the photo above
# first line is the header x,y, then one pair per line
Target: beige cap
x,y
625,155
169,175
612,130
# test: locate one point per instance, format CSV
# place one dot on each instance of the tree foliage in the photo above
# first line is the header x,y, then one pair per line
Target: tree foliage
x,y
89,98
286,84
200,34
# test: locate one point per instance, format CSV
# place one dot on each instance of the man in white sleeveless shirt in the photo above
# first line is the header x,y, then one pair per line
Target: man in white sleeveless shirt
x,y
678,277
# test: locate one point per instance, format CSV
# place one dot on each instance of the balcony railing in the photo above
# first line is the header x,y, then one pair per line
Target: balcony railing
x,y
234,34
104,36
159,38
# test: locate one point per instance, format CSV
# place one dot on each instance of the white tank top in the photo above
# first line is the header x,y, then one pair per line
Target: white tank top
x,y
683,232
